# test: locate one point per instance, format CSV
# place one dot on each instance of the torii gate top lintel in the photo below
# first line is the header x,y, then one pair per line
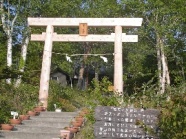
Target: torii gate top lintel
x,y
94,22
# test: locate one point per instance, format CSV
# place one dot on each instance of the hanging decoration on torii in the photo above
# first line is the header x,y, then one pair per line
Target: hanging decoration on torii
x,y
68,58
50,36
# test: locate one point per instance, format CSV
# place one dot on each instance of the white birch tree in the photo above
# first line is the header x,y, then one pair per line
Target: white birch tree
x,y
22,59
8,27
12,20
163,72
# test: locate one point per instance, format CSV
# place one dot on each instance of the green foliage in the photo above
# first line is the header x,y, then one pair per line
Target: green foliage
x,y
172,104
2,50
173,117
27,96
60,96
5,107
158,19
20,99
69,99
8,72
21,63
67,105
100,91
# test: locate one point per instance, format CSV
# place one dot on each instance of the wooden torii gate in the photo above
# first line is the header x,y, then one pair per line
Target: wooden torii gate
x,y
50,36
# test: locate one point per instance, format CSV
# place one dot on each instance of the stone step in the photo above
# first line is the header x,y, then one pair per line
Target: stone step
x,y
28,135
46,125
58,114
37,129
67,119
57,124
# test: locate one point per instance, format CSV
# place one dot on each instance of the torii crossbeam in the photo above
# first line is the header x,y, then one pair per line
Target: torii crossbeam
x,y
50,36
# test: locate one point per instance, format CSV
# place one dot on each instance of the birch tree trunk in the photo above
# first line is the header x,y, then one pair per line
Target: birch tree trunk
x,y
8,29
167,72
159,62
22,60
163,72
163,69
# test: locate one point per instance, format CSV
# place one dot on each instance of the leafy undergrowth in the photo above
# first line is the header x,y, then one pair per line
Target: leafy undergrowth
x,y
172,105
19,99
71,99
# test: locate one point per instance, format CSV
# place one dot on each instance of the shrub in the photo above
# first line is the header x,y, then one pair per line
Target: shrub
x,y
16,99
172,104
61,96
173,117
100,95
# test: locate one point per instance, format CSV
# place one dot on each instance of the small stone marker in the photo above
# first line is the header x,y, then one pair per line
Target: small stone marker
x,y
123,123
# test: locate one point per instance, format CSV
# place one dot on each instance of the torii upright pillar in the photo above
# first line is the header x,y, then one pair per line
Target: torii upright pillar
x,y
45,70
118,62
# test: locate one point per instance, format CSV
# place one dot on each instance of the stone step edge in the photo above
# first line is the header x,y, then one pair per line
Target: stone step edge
x,y
22,126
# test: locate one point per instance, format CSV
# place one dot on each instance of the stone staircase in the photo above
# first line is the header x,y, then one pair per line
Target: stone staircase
x,y
46,125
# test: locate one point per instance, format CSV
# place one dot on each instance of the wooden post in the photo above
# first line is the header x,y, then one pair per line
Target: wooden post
x,y
118,61
45,71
